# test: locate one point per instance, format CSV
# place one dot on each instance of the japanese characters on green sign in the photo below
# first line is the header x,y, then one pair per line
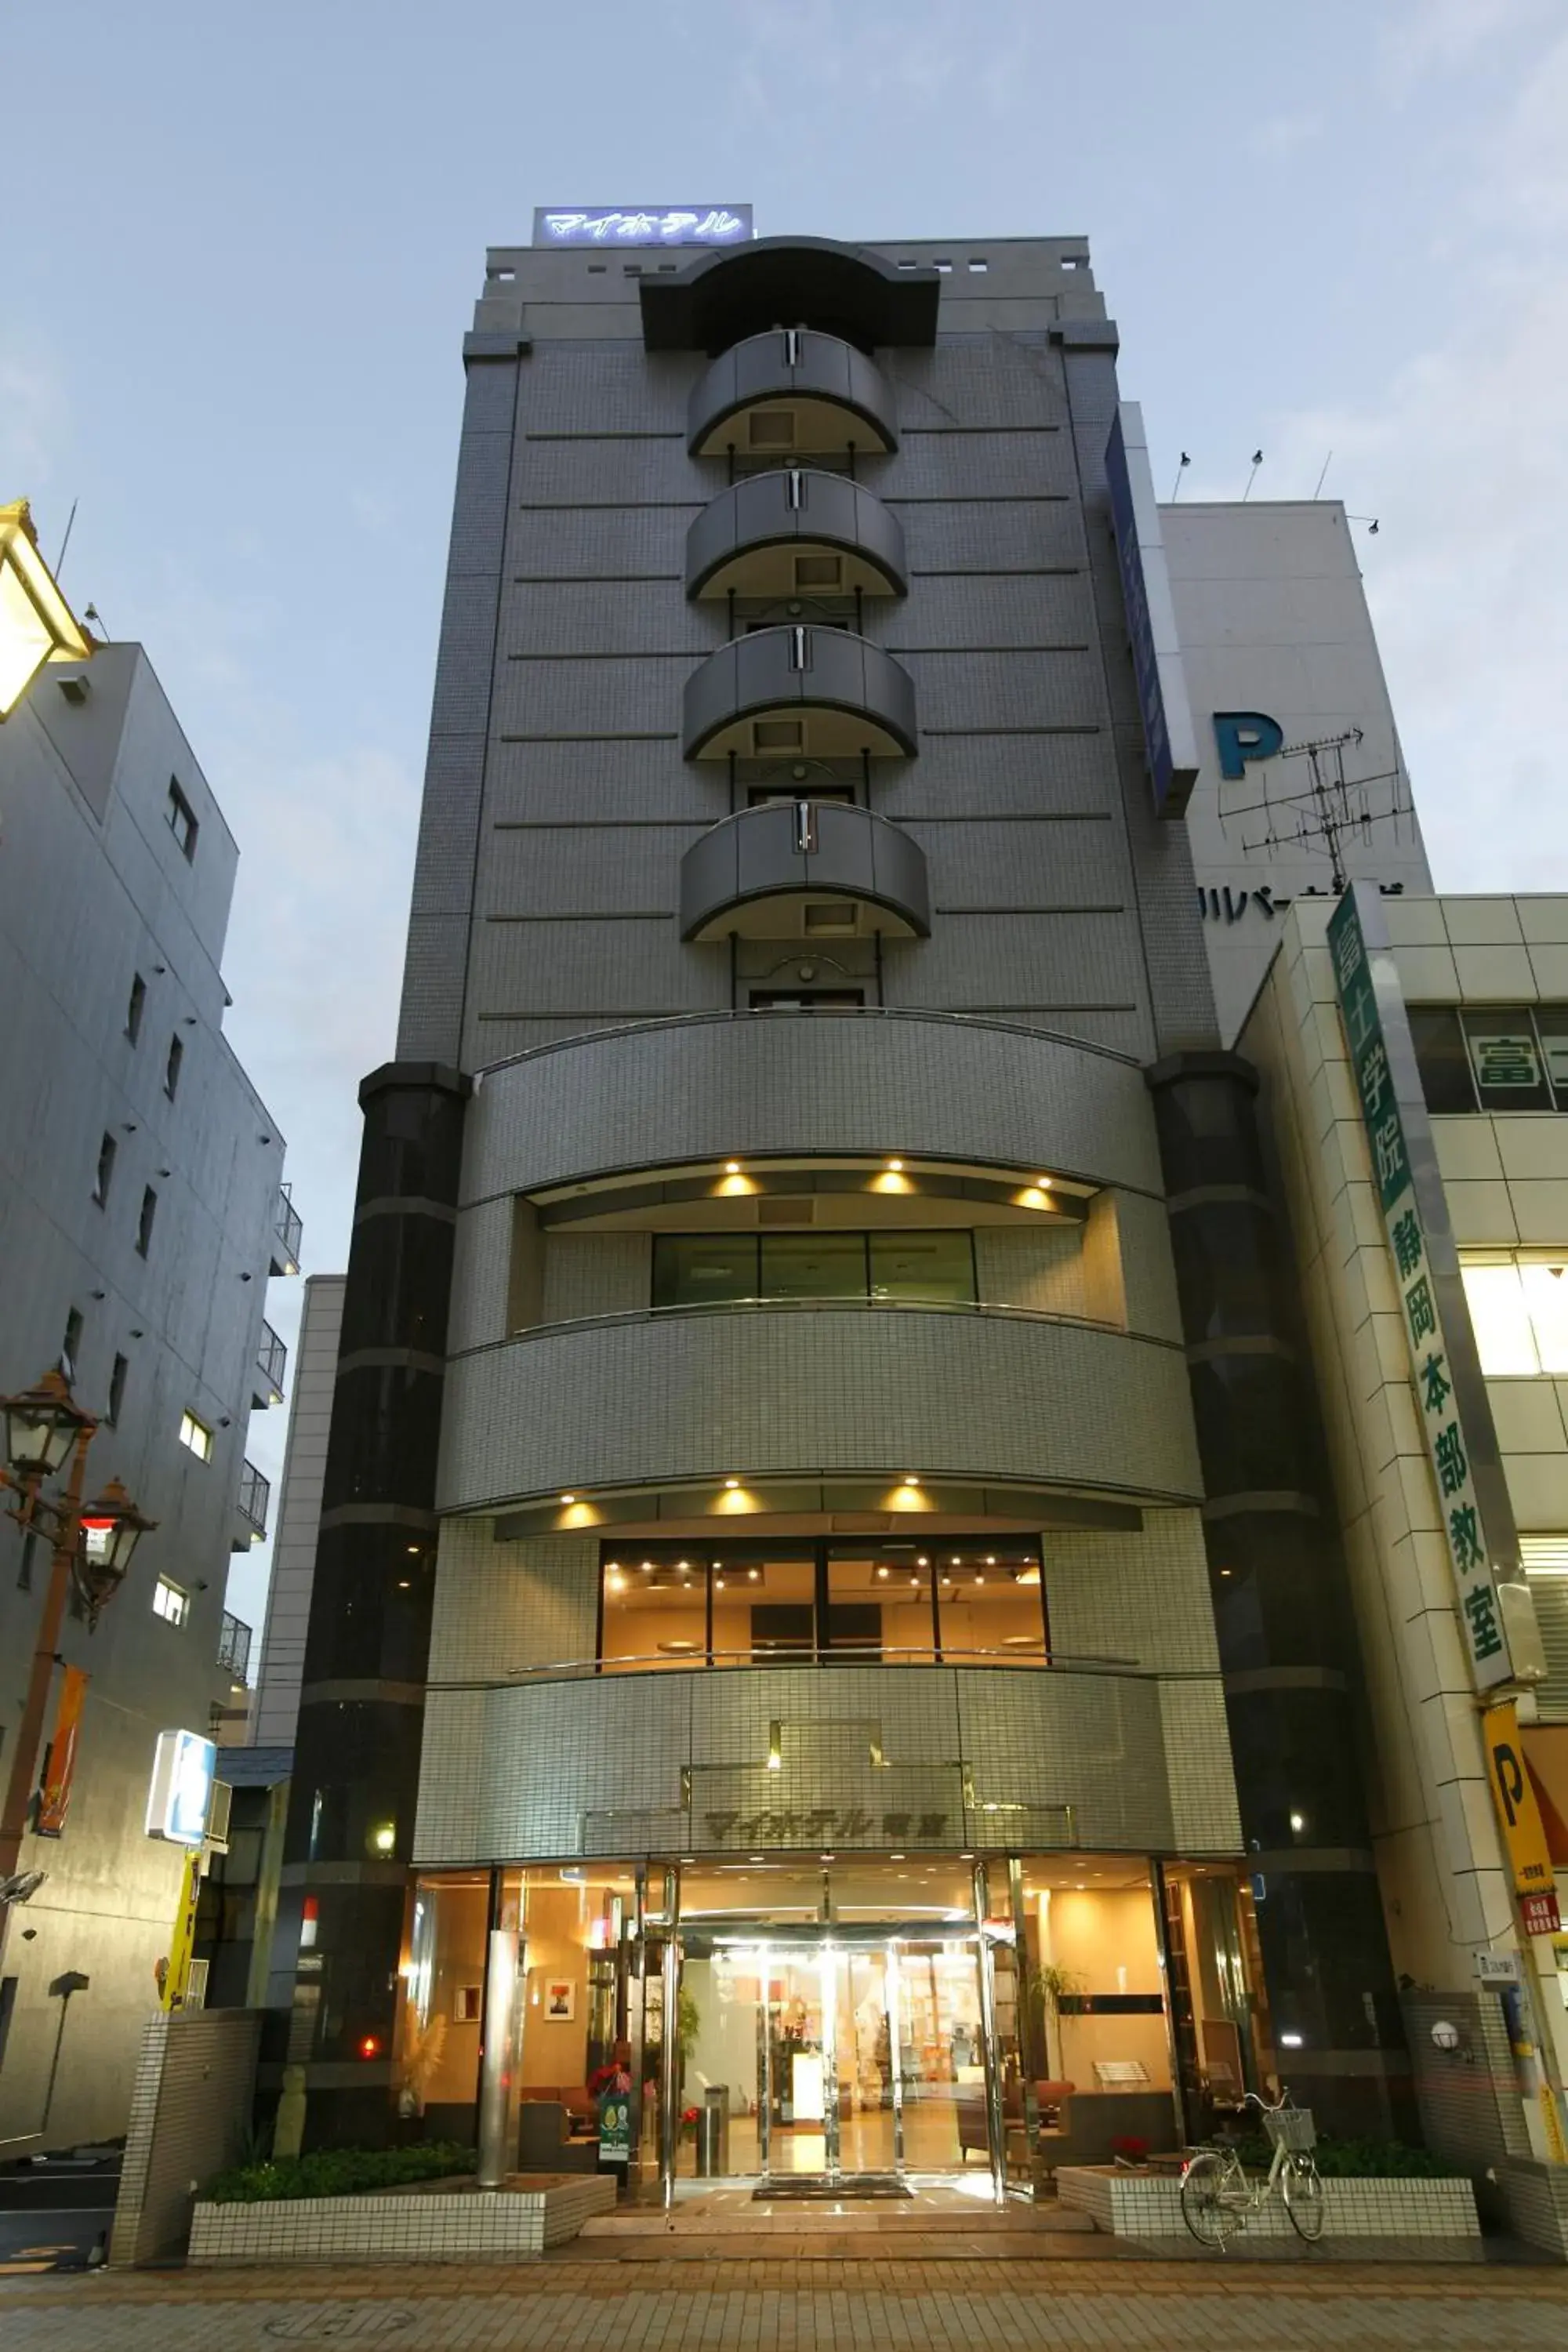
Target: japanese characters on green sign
x,y
1449,1456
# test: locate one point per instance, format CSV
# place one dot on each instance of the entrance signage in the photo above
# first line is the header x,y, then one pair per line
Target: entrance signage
x,y
822,1825
645,225
1242,736
616,2121
1445,1368
1519,1818
1169,743
1498,1968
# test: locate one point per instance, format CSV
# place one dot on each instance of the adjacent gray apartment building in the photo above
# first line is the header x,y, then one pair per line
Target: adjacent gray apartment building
x,y
142,1212
817,1332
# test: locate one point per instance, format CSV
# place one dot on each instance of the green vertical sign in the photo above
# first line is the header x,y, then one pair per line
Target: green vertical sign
x,y
1475,1583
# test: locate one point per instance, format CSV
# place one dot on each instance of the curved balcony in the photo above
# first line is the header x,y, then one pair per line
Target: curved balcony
x,y
791,393
675,1762
795,533
707,1086
721,297
810,693
779,1389
804,869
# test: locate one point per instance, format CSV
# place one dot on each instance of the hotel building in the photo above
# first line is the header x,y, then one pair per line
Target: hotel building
x,y
818,1335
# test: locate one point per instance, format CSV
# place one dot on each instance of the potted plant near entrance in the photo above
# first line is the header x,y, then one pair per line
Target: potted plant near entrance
x,y
1051,1986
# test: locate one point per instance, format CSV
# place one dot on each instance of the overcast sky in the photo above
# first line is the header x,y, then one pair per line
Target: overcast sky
x,y
241,246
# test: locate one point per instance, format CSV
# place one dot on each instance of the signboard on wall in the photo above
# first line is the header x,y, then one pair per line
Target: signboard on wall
x,y
1390,1100
1169,743
180,1797
643,225
1519,1818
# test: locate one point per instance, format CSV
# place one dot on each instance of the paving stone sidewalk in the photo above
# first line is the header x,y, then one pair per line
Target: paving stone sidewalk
x,y
795,2305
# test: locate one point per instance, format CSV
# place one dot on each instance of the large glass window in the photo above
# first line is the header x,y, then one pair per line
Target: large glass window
x,y
967,1599
1520,1310
1500,1057
909,1269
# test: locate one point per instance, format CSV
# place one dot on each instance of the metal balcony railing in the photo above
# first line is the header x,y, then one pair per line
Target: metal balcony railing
x,y
234,1646
255,1490
271,1364
288,1231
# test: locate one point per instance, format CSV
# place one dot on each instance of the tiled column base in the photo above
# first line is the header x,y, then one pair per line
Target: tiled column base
x,y
477,2225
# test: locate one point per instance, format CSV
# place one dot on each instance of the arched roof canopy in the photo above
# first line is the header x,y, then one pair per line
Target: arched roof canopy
x,y
721,297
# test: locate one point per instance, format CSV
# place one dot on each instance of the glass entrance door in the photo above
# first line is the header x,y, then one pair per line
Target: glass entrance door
x,y
867,2049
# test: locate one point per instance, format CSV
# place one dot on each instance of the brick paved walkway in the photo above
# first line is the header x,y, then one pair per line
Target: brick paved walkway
x,y
793,2305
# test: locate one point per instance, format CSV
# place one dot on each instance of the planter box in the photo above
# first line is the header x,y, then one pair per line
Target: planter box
x,y
1149,2205
445,2224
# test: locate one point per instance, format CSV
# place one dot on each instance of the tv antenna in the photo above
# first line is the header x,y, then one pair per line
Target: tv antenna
x,y
1331,810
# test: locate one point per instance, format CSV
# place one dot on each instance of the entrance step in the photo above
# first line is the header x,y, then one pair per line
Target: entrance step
x,y
716,2219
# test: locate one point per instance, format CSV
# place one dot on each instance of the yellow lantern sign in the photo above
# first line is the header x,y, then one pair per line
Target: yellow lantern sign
x,y
36,625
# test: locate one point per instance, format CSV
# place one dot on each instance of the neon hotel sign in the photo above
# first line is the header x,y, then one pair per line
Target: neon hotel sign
x,y
650,224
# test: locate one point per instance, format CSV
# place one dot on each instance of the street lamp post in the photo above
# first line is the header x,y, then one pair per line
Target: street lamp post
x,y
36,625
91,1543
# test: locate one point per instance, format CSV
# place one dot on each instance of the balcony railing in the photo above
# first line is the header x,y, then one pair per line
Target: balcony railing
x,y
234,1646
809,1654
254,1491
288,1231
271,1364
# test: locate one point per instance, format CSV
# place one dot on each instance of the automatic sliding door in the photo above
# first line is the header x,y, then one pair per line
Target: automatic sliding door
x,y
941,2054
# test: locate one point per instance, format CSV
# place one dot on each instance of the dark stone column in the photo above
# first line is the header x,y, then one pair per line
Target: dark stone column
x,y
357,1756
1282,1608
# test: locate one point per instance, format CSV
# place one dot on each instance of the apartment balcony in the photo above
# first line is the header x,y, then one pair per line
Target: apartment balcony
x,y
810,870
707,1087
250,1508
288,1231
803,693
809,283
234,1641
1069,1754
268,1372
791,393
796,532
760,1390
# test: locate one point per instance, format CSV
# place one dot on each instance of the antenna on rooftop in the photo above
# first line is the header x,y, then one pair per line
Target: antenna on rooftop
x,y
1332,811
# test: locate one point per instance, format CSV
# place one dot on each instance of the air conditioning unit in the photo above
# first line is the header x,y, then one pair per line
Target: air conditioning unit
x,y
218,1812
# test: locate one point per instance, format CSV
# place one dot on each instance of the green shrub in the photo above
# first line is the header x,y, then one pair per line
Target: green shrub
x,y
1356,2159
338,2172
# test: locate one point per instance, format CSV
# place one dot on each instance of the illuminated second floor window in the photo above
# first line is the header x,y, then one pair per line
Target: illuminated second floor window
x,y
934,1268
1519,1307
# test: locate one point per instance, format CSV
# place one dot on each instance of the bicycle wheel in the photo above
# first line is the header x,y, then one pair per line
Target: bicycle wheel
x,y
1303,2194
1207,2202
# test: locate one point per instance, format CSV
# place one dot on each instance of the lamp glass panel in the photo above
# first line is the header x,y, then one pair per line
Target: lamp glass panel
x,y
24,641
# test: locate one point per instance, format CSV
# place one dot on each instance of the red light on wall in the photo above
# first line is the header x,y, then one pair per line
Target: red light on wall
x,y
371,2046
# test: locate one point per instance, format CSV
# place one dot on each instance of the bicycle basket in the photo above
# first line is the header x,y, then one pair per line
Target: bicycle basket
x,y
1290,2128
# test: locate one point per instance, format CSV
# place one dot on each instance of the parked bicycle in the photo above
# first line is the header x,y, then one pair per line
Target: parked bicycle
x,y
1217,2195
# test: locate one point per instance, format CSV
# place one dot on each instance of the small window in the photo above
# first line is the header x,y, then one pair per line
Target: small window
x,y
504,277
834,918
632,268
945,267
105,1176
777,735
144,1222
772,796
182,820
117,1390
135,1007
171,1067
71,1345
977,266
817,571
196,1436
1441,1059
597,269
771,428
1510,1070
170,1602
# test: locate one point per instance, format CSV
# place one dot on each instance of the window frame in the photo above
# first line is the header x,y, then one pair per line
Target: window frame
x,y
183,821
179,1615
777,1239
146,1220
192,1422
135,1008
103,1176
173,1063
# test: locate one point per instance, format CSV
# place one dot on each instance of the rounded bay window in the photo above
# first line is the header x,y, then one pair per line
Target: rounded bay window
x,y
790,692
791,393
796,532
804,870
721,297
